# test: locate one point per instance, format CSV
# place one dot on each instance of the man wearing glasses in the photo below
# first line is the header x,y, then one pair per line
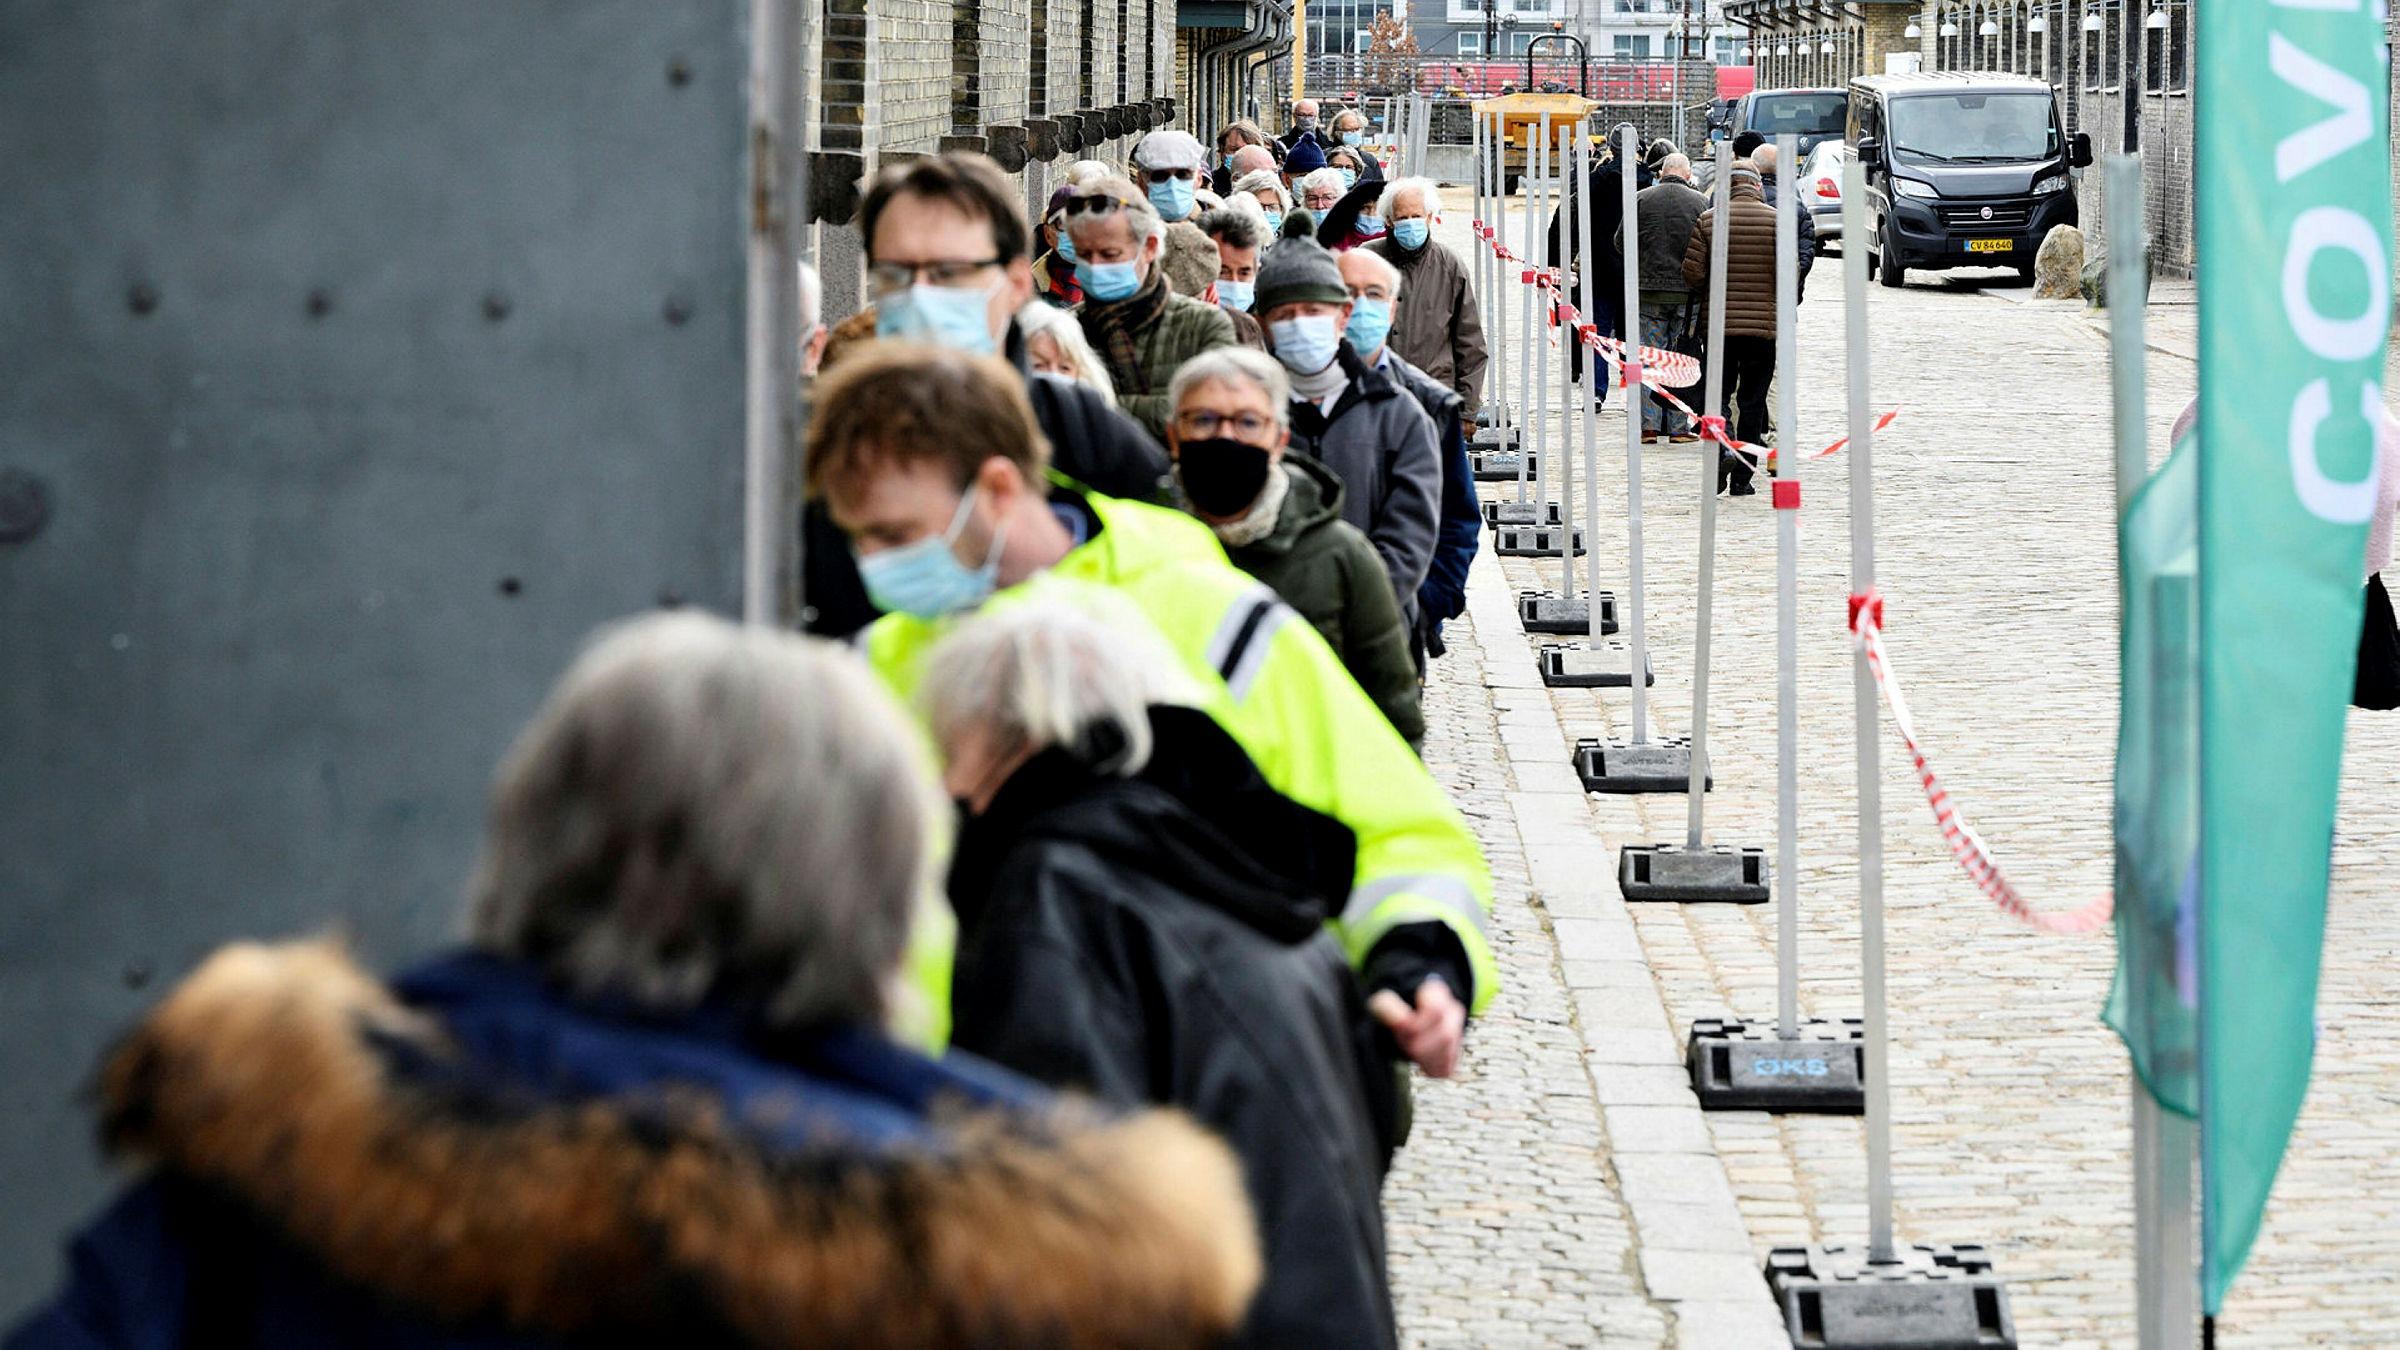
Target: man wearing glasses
x,y
1142,329
1280,520
947,241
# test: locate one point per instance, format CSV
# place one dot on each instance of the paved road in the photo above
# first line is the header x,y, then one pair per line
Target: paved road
x,y
1994,521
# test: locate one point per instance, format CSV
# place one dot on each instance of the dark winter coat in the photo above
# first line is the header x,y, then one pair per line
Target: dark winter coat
x,y
1443,594
1665,215
1606,189
1323,567
1380,444
468,1160
1161,939
1179,329
1090,442
1804,226
1749,261
1436,325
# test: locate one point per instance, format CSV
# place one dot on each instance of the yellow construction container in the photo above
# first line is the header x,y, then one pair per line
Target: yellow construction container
x,y
1520,119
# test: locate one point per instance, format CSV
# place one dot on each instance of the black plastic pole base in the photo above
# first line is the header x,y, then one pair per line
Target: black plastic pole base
x,y
1496,438
1591,665
1930,1298
1712,874
1746,1066
1501,514
1533,541
1497,466
1550,612
1637,766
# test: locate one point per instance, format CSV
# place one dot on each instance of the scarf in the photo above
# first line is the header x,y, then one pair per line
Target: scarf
x,y
1315,388
1111,329
1259,521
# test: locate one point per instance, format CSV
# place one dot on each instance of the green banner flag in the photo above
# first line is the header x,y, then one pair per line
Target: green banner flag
x,y
2154,1004
2294,216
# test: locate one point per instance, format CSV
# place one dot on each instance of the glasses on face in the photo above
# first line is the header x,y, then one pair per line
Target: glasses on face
x,y
1170,175
891,278
1200,425
1091,204
1319,201
1383,293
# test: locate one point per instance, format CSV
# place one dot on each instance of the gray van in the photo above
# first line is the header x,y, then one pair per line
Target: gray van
x,y
1813,115
1963,168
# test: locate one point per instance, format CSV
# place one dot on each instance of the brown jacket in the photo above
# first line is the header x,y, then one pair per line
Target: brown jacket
x,y
1749,261
1436,326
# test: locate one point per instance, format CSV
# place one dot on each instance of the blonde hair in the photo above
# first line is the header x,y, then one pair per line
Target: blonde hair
x,y
1048,320
702,811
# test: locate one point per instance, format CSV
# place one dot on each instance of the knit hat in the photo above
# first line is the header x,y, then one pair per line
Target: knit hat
x,y
1306,156
1298,268
1189,259
1170,150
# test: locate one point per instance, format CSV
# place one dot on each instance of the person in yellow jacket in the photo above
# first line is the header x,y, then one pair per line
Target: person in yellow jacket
x,y
930,460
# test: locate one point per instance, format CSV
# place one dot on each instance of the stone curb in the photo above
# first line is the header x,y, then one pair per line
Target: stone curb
x,y
1695,1252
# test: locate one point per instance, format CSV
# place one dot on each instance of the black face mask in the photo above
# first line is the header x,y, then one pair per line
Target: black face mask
x,y
1221,476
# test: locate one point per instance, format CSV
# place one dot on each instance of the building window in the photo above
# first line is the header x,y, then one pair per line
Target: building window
x,y
1633,46
1470,44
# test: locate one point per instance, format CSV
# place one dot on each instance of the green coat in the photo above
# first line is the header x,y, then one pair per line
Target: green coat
x,y
1179,329
1324,568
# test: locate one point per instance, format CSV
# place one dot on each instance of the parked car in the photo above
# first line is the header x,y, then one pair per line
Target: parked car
x,y
1820,187
1964,169
1813,115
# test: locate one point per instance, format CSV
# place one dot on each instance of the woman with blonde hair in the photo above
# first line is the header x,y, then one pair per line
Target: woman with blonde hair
x,y
1055,345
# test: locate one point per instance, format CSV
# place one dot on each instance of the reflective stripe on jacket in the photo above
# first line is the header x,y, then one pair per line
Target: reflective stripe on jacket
x,y
1270,680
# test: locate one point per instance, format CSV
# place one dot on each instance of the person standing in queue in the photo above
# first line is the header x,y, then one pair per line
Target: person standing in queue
x,y
1238,242
1376,291
1750,322
1279,518
1436,327
651,1100
1142,329
1351,418
947,244
932,464
1141,917
1664,216
1603,187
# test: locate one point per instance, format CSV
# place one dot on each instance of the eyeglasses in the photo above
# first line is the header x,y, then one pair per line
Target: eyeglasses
x,y
1091,204
1201,425
1371,293
1170,175
891,278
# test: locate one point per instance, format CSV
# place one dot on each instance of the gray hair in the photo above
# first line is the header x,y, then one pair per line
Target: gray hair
x,y
1040,316
1430,190
1235,226
1763,158
705,811
1336,124
1677,165
1235,366
1327,177
1264,180
1049,673
1381,265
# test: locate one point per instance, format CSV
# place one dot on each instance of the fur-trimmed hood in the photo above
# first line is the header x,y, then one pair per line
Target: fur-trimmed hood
x,y
272,1078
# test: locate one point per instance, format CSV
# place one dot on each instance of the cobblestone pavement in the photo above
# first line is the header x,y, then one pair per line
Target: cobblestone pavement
x,y
1994,521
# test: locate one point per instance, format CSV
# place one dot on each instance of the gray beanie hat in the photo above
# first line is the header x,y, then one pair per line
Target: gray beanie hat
x,y
1298,268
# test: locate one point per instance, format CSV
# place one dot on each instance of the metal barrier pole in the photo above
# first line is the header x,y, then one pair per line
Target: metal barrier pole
x,y
1787,593
1524,272
1870,760
1633,458
1495,144
1572,387
1722,230
1586,399
2164,1283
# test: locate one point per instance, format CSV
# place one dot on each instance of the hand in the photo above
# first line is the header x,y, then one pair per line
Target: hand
x,y
1430,1033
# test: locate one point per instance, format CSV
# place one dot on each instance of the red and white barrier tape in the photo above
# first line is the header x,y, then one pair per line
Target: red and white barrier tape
x,y
1866,620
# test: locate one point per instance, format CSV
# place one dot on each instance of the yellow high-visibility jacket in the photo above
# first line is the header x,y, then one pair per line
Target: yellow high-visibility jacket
x,y
1267,677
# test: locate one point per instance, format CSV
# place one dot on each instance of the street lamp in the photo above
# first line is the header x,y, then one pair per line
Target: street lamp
x,y
2091,21
1914,30
1825,48
2037,24
2158,16
1989,28
1949,28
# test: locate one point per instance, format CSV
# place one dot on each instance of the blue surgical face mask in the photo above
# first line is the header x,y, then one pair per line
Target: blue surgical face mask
x,y
1274,224
926,579
1412,232
1066,247
1368,224
1306,344
1107,282
1349,179
948,315
1353,137
1370,324
1173,198
1236,294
